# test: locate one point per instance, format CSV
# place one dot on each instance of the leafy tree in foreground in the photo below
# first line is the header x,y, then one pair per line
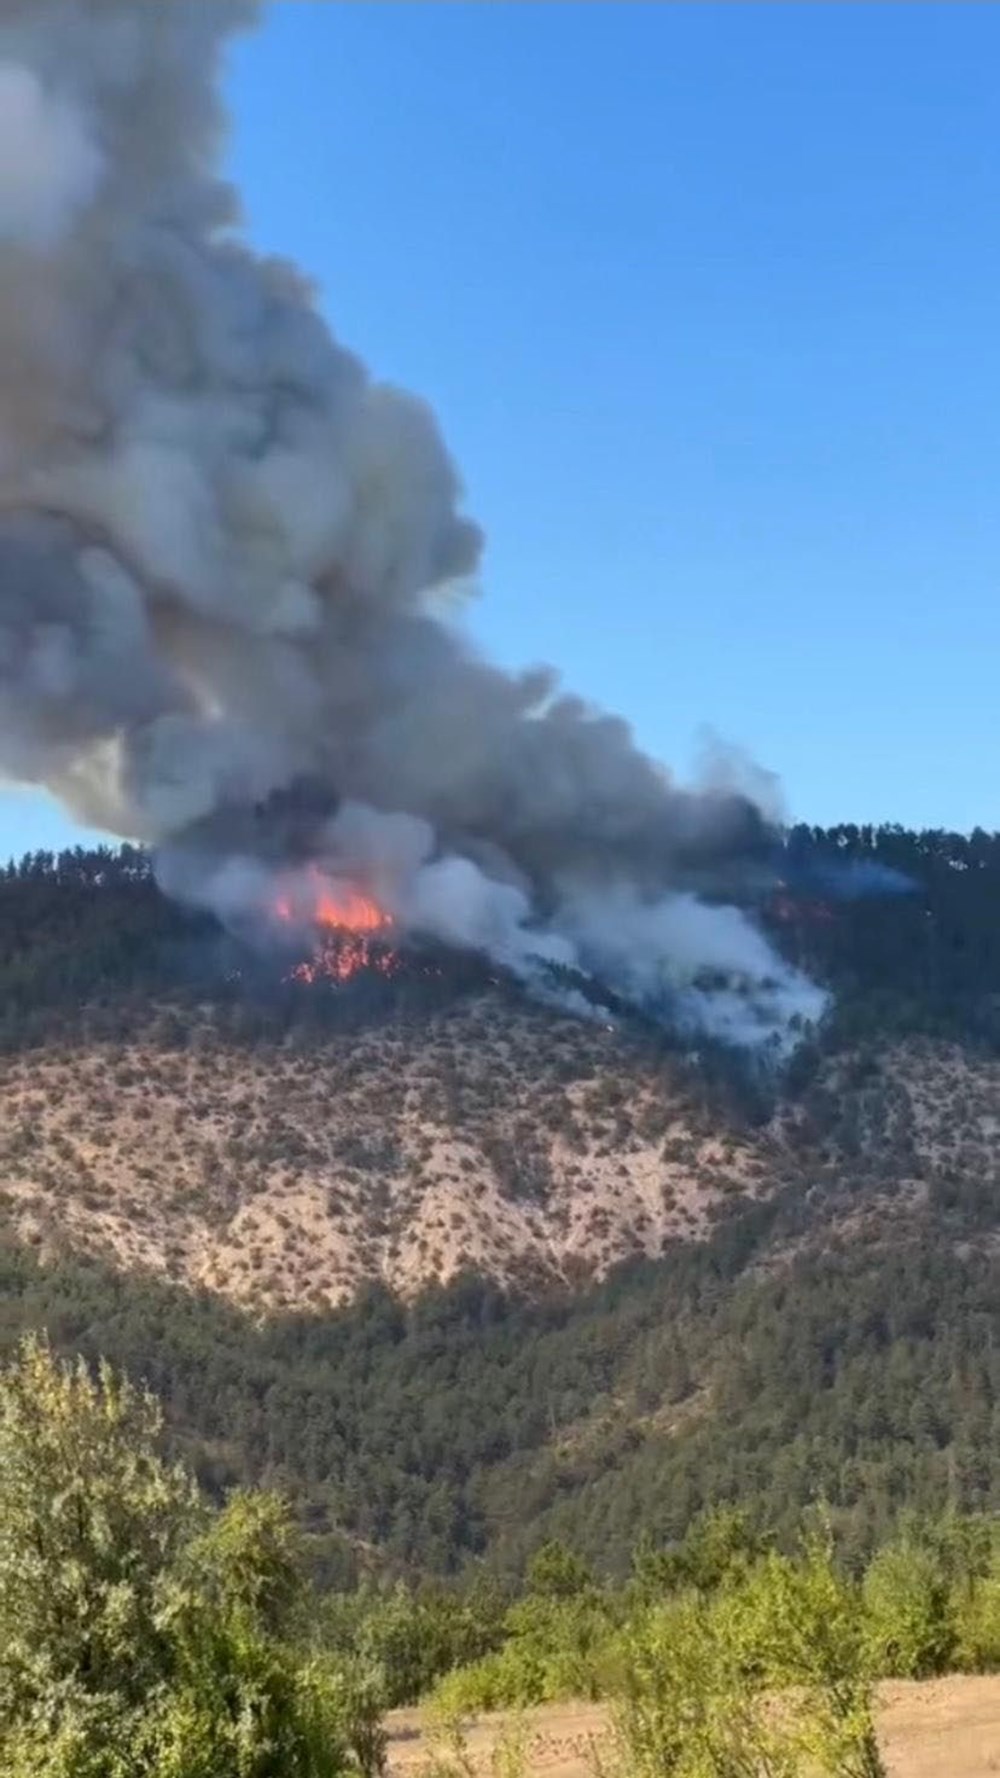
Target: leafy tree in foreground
x,y
911,1622
802,1626
139,1637
767,1675
933,1598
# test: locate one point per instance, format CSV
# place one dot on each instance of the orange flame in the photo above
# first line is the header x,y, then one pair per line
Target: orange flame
x,y
316,900
342,959
353,929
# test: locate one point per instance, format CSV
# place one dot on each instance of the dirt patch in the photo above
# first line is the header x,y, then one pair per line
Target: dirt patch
x,y
944,1728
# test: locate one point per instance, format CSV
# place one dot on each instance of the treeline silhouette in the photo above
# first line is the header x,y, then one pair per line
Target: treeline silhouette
x,y
902,926
87,937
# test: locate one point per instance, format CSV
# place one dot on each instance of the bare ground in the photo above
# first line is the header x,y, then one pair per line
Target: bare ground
x,y
943,1728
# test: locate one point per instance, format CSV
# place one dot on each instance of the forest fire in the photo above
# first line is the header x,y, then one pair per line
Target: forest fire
x,y
331,904
340,957
353,931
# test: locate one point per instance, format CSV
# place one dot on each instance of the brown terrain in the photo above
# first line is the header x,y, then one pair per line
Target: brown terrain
x,y
491,1134
941,1728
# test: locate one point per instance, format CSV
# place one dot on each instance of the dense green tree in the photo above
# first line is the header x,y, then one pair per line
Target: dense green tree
x,y
910,1610
556,1572
139,1637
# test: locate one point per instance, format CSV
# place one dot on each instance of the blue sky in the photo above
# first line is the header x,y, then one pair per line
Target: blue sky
x,y
706,298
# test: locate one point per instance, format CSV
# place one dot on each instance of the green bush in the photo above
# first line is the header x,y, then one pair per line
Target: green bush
x,y
512,1678
556,1647
138,1634
908,1601
765,1678
977,1627
414,1636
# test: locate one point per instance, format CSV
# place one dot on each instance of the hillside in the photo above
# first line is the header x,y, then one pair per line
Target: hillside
x,y
460,1272
490,1137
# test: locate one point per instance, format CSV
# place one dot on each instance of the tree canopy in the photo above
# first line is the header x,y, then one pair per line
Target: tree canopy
x,y
138,1632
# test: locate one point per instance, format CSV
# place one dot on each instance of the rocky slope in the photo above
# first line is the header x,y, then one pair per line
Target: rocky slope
x,y
489,1135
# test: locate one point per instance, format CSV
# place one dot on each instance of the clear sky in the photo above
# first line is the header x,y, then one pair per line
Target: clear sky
x,y
707,298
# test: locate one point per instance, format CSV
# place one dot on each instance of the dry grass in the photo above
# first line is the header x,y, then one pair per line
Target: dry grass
x,y
943,1728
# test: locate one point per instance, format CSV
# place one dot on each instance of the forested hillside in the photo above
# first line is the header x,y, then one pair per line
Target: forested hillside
x,y
832,1329
761,1366
903,925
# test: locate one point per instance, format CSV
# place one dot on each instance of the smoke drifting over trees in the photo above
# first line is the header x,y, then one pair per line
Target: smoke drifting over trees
x,y
223,548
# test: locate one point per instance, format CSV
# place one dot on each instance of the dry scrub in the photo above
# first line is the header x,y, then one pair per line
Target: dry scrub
x,y
490,1136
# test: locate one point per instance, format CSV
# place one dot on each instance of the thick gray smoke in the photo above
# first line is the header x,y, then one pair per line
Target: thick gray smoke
x,y
223,549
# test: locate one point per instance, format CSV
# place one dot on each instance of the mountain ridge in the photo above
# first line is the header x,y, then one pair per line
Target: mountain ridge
x,y
813,1314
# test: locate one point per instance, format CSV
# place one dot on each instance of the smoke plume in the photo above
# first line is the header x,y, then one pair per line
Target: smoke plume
x,y
223,549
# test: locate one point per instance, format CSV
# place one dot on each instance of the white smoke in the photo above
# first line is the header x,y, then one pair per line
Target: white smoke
x,y
223,548
49,166
707,964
